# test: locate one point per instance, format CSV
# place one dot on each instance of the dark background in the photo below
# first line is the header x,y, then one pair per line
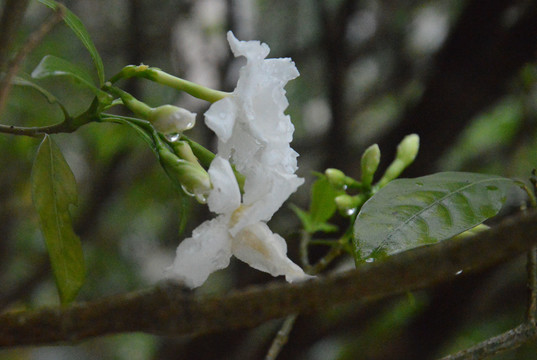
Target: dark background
x,y
461,74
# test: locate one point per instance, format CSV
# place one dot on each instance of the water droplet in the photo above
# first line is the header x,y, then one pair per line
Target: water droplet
x,y
369,260
201,198
173,137
458,272
350,212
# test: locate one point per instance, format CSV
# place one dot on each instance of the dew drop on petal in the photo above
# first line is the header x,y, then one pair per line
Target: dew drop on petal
x,y
350,212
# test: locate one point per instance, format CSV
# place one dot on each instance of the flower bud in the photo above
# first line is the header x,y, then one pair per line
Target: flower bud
x,y
406,153
336,178
348,204
407,150
196,90
192,178
184,151
370,163
169,119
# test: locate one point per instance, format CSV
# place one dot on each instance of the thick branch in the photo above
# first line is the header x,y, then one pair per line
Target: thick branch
x,y
170,310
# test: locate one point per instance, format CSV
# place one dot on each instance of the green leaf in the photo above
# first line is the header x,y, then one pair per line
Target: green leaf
x,y
53,191
80,31
23,81
304,218
51,65
410,212
322,205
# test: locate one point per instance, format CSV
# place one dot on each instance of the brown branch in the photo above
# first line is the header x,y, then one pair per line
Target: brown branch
x,y
169,309
33,40
12,15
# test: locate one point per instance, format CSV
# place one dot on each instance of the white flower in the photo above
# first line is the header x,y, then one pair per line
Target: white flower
x,y
254,134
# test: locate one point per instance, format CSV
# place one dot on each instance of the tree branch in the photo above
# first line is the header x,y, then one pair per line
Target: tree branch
x,y
171,310
33,40
12,15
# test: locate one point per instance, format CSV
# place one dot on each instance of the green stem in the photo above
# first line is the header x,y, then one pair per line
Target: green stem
x,y
531,195
161,77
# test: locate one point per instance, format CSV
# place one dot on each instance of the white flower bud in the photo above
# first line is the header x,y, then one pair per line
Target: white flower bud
x,y
169,119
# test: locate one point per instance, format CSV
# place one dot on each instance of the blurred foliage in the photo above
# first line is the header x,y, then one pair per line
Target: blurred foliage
x,y
127,216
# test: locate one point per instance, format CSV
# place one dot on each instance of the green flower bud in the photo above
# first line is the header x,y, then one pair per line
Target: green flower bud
x,y
348,204
184,151
169,119
336,177
192,178
196,90
407,150
370,163
406,153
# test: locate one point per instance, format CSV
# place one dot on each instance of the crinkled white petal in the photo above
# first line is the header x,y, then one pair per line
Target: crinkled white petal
x,y
252,50
263,250
225,195
220,118
208,250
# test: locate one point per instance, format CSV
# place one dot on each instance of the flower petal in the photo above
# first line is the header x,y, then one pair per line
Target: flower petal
x,y
220,118
252,50
208,250
225,196
263,250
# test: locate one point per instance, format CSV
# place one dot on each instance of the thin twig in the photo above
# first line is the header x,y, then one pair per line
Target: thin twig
x,y
12,15
63,127
281,337
320,265
509,340
33,40
305,238
531,268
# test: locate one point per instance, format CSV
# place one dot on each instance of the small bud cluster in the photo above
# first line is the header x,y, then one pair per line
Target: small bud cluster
x,y
348,204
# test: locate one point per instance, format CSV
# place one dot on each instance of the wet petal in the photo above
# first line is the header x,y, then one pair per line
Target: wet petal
x,y
208,250
263,250
220,118
225,195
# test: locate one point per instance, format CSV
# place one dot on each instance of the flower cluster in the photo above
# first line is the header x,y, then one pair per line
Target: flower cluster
x,y
254,135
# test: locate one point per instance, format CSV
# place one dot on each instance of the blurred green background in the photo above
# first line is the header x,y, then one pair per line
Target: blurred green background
x,y
462,74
